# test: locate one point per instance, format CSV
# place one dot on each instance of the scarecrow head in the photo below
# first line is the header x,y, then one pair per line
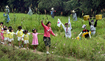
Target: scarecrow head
x,y
73,11
52,8
66,24
92,22
7,6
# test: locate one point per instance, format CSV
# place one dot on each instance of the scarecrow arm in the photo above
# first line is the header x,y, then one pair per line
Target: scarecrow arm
x,y
89,35
69,22
63,26
95,24
80,34
4,15
89,22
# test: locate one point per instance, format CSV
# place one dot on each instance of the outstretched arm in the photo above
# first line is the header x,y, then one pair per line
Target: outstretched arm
x,y
51,32
63,26
89,22
89,35
43,24
95,23
80,34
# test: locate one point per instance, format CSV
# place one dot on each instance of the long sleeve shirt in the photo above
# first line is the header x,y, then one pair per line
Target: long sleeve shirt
x,y
47,31
93,27
67,29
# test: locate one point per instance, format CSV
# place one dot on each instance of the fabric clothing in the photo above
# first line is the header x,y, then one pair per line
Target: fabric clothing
x,y
47,41
30,11
52,13
93,28
74,16
2,37
19,33
7,10
67,30
26,36
85,30
26,42
59,23
10,39
20,38
5,38
5,33
7,17
10,35
35,39
47,31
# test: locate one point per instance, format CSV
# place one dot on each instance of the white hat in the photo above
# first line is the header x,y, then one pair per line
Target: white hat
x,y
52,8
73,11
84,26
7,6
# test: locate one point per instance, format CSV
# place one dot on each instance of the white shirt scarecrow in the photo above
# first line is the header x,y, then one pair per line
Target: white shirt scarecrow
x,y
66,29
93,26
30,11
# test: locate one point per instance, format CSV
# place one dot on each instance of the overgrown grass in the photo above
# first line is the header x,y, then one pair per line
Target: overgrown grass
x,y
8,53
90,49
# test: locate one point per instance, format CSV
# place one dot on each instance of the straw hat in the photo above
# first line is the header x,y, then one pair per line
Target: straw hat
x,y
73,11
52,8
7,6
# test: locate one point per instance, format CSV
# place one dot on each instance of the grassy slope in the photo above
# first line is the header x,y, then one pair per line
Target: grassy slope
x,y
8,53
90,49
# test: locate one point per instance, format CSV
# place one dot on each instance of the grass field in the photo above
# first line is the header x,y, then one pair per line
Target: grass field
x,y
88,49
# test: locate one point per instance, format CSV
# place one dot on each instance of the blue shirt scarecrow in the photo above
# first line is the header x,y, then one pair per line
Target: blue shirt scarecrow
x,y
7,14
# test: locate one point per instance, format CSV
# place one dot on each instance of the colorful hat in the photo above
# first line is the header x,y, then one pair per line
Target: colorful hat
x,y
84,26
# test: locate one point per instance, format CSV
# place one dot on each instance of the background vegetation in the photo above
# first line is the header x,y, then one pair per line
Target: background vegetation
x,y
64,6
88,49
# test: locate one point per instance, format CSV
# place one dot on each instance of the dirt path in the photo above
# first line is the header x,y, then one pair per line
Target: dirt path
x,y
51,55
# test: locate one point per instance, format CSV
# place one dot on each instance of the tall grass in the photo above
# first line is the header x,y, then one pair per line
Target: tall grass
x,y
90,49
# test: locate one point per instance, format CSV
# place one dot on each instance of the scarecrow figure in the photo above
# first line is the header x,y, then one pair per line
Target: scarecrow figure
x,y
85,33
30,11
93,26
74,15
52,12
67,29
7,14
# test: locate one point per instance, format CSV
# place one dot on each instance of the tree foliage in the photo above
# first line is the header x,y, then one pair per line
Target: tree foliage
x,y
64,6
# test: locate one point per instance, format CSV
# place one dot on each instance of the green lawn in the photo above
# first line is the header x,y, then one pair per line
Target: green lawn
x,y
89,49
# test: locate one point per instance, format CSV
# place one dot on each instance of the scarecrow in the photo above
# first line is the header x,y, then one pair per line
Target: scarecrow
x,y
6,14
93,26
52,12
30,11
85,33
66,28
74,15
